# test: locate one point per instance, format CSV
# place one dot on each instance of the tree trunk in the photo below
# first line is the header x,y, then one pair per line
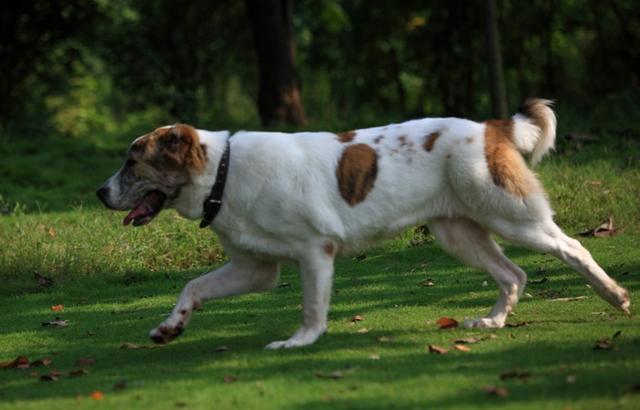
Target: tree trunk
x,y
496,78
279,95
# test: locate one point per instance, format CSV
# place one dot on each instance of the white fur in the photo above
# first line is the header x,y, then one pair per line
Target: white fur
x,y
282,203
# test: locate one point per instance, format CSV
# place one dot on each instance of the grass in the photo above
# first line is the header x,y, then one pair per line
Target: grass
x,y
116,284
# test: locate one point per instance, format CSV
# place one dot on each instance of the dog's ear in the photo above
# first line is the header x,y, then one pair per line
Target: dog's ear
x,y
181,146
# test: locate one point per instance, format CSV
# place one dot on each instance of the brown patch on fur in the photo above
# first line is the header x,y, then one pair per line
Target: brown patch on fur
x,y
469,140
357,171
329,249
172,147
505,163
403,140
346,137
430,141
378,139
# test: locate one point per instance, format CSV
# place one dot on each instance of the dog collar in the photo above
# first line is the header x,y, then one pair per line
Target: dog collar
x,y
213,202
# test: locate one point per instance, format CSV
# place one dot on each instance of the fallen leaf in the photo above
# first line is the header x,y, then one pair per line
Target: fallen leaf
x,y
362,330
85,362
446,323
515,374
603,230
78,372
221,349
45,361
383,339
51,232
96,395
335,375
42,280
466,340
437,349
427,283
52,376
357,318
57,308
121,385
603,344
496,391
462,347
56,323
230,379
374,356
11,364
539,281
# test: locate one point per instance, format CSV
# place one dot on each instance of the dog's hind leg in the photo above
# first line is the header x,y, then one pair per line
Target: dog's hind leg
x,y
316,270
243,274
473,245
545,236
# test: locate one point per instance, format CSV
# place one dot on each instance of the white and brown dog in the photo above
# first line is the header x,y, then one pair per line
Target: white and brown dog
x,y
305,197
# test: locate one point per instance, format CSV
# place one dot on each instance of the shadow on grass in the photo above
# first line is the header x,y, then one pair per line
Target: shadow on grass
x,y
104,313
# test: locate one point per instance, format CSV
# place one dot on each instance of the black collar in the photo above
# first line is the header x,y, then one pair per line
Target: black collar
x,y
213,202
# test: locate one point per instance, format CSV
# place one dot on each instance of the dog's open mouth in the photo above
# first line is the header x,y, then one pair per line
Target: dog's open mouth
x,y
148,207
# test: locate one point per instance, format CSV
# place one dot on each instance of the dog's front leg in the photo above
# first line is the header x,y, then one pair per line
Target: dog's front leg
x,y
316,270
241,275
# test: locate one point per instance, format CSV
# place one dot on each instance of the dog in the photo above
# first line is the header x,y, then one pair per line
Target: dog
x,y
306,197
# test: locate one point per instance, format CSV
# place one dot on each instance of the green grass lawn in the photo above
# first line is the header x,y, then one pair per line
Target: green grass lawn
x,y
117,283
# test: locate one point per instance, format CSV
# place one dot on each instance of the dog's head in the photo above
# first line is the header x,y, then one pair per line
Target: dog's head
x,y
156,167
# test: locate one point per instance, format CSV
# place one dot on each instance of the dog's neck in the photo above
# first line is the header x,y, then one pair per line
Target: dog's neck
x,y
200,186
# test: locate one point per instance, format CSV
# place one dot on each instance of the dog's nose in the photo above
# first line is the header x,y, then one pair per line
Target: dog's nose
x,y
102,194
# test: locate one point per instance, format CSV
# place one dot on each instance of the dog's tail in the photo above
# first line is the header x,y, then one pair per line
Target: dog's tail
x,y
534,128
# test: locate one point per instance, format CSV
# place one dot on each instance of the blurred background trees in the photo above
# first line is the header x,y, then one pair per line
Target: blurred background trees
x,y
82,66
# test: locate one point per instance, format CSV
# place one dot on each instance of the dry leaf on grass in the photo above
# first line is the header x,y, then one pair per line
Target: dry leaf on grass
x,y
221,349
427,283
96,395
362,330
57,308
446,323
539,281
45,361
466,340
52,376
19,362
462,347
357,318
78,372
437,349
603,344
383,339
496,391
56,323
603,230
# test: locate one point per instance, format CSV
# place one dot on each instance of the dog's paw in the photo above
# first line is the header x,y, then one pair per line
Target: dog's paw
x,y
484,322
303,337
164,334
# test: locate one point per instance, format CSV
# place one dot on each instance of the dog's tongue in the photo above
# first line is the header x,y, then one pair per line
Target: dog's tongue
x,y
147,209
